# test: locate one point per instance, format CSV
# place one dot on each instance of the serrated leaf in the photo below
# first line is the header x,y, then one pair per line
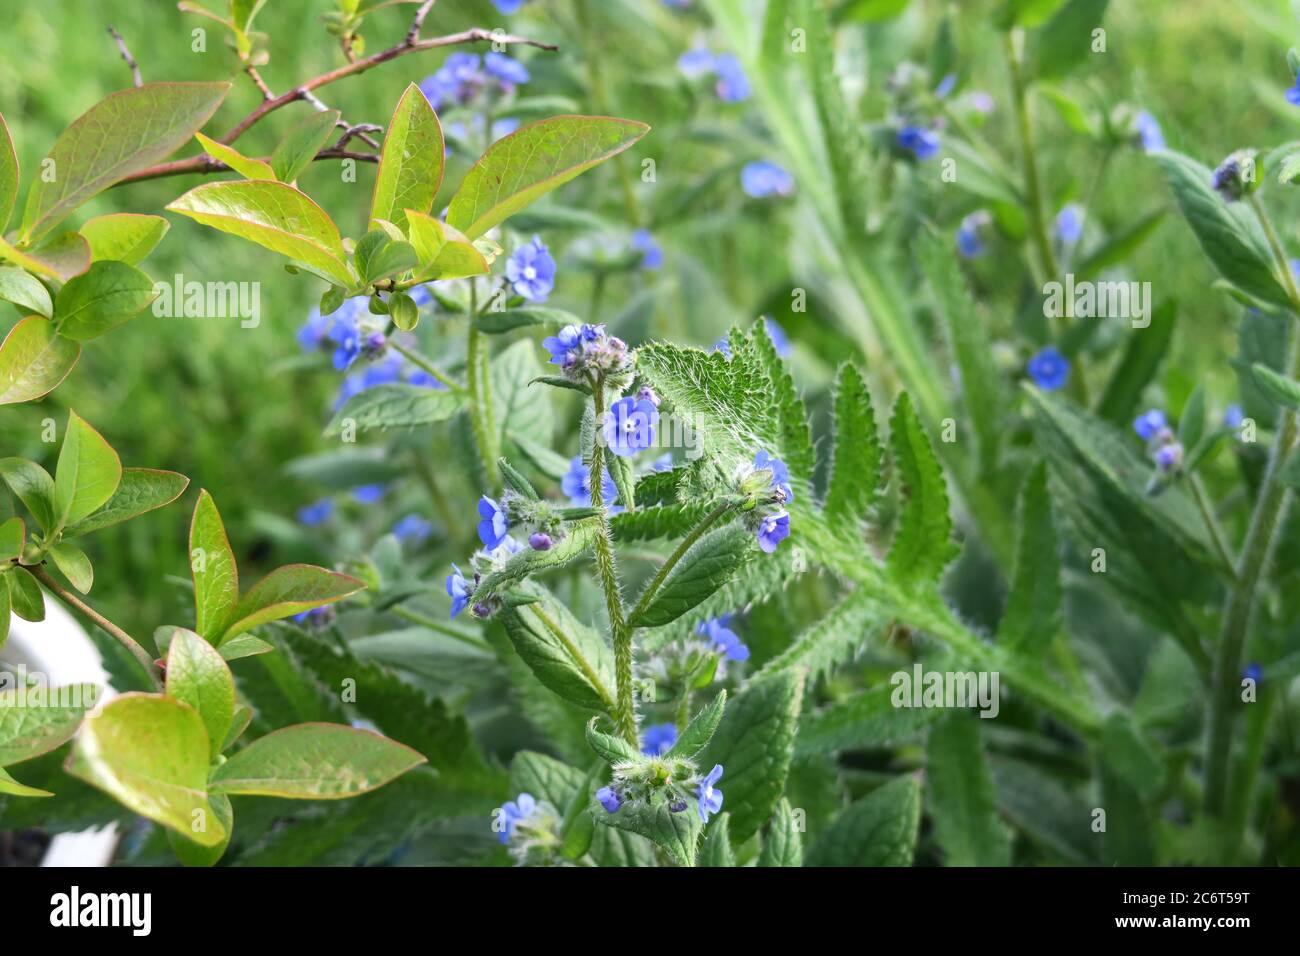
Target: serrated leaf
x,y
395,405
287,591
546,779
754,743
701,728
25,291
88,472
212,564
867,719
855,474
615,751
782,844
74,564
578,538
1289,168
40,719
961,797
530,162
620,470
123,236
657,521
411,164
120,135
706,566
827,643
878,830
1032,617
922,545
246,166
109,294
34,360
716,849
141,490
300,145
197,675
150,753
314,762
275,216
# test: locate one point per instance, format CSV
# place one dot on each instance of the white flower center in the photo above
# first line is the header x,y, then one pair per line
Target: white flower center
x,y
530,272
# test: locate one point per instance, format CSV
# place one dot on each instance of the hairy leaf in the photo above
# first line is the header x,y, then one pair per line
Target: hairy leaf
x,y
878,830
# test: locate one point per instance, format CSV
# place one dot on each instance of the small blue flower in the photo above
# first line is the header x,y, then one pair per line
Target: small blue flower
x,y
1169,457
412,529
780,341
507,69
1233,416
520,808
762,178
980,101
492,529
695,63
608,799
386,370
540,541
772,530
970,243
652,257
1149,424
457,590
566,346
508,7
658,739
368,494
663,463
455,82
422,379
313,332
1253,672
780,473
1069,223
576,484
531,271
732,85
1049,369
1293,94
717,631
317,617
316,513
629,426
919,141
723,346
946,86
420,294
1149,133
710,800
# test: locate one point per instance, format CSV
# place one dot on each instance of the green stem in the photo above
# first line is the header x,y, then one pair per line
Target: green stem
x,y
1216,533
419,361
439,627
661,575
1255,554
1242,798
481,415
123,638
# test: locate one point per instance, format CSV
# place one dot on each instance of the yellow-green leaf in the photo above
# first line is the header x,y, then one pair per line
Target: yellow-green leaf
x,y
212,562
74,564
125,236
287,591
12,534
410,167
25,291
444,252
34,359
300,145
60,258
8,175
109,294
246,166
139,491
36,720
87,474
12,787
197,675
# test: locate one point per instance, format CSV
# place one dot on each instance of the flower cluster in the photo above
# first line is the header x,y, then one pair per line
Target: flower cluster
x,y
662,780
722,639
763,178
530,828
576,485
1165,449
1235,176
465,75
766,489
922,142
580,349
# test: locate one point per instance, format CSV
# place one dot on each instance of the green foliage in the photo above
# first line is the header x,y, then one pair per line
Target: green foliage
x,y
878,830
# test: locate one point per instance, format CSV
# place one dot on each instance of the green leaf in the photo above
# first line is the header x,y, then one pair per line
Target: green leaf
x,y
530,162
141,490
961,797
41,719
212,563
498,322
385,258
923,543
444,252
620,470
829,642
314,762
244,645
411,164
192,854
88,472
8,175
12,535
1131,776
60,258
1281,389
301,144
754,743
706,566
564,654
855,476
783,844
578,537
24,290
247,167
678,834
275,216
395,405
287,591
34,360
197,675
1033,612
516,407
865,720
1289,168
615,751
120,135
878,830
1065,41
150,753
1137,367
716,849
124,236
1228,232
545,778
109,294
25,595
74,564
403,311
11,786
701,728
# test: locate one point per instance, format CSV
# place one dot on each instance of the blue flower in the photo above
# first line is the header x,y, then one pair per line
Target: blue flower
x,y
412,528
540,541
1233,416
663,463
531,271
318,617
520,808
420,294
609,799
658,739
313,332
919,141
1169,457
316,513
732,85
508,7
576,484
1149,424
492,529
695,63
773,529
1293,94
455,82
652,257
717,631
780,473
1049,369
780,341
980,101
422,379
1253,672
970,244
457,590
946,86
723,346
566,346
388,369
1069,223
1148,130
763,178
368,494
710,800
507,69
629,426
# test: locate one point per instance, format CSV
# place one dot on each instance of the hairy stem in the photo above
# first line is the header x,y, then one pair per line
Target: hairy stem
x,y
123,638
661,575
1255,554
1212,525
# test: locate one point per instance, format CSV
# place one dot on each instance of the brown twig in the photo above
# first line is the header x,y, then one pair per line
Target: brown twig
x,y
126,55
203,163
417,24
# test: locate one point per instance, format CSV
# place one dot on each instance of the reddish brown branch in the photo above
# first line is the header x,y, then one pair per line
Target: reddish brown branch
x,y
203,163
